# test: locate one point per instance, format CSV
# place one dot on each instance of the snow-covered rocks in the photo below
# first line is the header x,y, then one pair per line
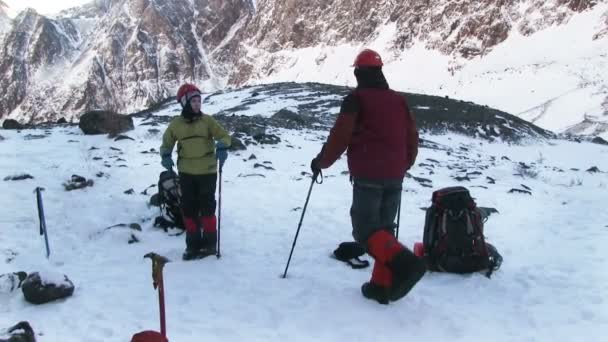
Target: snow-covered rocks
x,y
20,332
10,282
40,288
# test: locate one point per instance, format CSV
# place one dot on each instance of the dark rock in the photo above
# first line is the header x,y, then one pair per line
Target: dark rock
x,y
62,121
491,180
18,177
115,149
129,192
525,187
123,137
268,139
34,136
77,182
593,169
2,138
462,178
252,157
258,165
100,174
474,173
512,191
97,158
598,140
132,226
93,148
20,332
153,131
237,144
10,282
12,124
574,169
505,158
344,173
251,175
40,289
105,122
133,239
73,141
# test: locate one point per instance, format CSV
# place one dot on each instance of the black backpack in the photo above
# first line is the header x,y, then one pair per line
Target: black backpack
x,y
169,199
453,234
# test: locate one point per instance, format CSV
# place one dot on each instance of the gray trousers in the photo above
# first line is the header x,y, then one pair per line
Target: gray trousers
x,y
375,205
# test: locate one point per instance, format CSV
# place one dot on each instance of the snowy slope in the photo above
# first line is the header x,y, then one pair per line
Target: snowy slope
x,y
551,286
552,78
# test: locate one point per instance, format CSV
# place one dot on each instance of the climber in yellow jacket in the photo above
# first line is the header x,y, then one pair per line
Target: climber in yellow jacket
x,y
198,154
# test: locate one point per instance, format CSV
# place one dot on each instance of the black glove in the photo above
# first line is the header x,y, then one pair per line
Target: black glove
x,y
314,167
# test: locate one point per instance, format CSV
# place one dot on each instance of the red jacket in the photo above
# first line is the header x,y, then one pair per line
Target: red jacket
x,y
377,128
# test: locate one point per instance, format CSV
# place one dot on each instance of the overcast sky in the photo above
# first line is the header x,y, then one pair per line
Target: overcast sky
x,y
42,6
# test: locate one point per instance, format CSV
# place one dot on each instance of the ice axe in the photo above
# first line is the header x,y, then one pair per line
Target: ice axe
x,y
158,262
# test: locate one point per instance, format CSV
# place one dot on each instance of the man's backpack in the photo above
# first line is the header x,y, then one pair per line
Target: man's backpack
x,y
169,199
453,234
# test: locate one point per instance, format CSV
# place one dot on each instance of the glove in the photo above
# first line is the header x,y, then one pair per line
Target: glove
x,y
314,167
167,162
221,153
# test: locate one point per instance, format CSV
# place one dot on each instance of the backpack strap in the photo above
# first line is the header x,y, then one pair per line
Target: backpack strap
x,y
470,229
444,219
494,258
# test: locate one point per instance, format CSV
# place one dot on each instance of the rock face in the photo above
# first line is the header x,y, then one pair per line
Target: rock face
x,y
126,55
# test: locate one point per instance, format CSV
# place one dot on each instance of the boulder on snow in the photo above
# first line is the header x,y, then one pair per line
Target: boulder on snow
x,y
46,287
10,282
105,122
77,182
293,120
237,144
599,140
12,124
20,332
62,121
594,169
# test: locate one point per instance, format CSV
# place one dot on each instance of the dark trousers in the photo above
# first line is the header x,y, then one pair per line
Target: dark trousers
x,y
375,205
198,194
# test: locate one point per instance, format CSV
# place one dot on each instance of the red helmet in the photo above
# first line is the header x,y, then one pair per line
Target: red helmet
x,y
187,92
368,58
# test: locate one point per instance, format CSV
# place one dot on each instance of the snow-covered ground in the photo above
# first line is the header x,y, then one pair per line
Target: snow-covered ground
x,y
553,284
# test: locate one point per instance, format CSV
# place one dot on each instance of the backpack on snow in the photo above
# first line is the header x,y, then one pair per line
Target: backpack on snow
x,y
169,199
453,234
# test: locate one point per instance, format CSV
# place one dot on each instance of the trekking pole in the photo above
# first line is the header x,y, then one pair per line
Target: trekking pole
x,y
158,262
42,220
314,180
219,216
398,218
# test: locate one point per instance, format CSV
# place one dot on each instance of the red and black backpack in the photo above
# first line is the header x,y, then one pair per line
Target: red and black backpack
x,y
453,234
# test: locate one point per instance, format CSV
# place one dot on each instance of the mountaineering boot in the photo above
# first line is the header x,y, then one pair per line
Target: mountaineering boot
x,y
209,226
405,268
375,292
194,241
